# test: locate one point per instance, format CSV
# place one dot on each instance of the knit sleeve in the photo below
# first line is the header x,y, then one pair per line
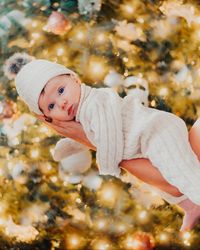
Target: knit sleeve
x,y
107,127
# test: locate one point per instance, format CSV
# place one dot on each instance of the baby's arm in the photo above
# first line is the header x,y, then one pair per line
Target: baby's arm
x,y
106,123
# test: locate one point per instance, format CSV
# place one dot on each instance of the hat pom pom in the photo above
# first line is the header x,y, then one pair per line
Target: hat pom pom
x,y
15,63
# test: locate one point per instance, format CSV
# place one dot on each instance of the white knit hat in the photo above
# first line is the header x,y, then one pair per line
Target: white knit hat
x,y
32,78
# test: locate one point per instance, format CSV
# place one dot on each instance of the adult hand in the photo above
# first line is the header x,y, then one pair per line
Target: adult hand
x,y
71,129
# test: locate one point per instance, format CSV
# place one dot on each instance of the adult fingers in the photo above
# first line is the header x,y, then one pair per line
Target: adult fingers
x,y
64,124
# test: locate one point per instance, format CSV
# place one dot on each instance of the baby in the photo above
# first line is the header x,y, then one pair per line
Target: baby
x,y
120,128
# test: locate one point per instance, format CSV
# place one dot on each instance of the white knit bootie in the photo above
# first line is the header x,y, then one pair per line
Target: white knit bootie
x,y
138,88
67,147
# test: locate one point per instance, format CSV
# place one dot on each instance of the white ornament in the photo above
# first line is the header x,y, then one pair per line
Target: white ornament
x,y
144,194
93,181
21,233
67,147
89,6
13,129
165,27
138,88
69,178
113,79
6,21
17,172
183,75
34,214
129,31
77,163
177,8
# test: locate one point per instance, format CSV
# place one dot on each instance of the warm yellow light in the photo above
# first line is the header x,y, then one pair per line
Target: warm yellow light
x,y
34,153
60,51
35,35
44,129
48,166
54,179
186,238
186,235
36,139
101,224
101,37
80,35
125,59
163,91
101,245
15,141
120,227
128,8
34,24
142,214
108,194
97,68
75,241
131,243
163,237
153,103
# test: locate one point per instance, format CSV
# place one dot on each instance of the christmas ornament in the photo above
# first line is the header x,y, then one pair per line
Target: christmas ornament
x,y
14,63
7,109
177,8
57,23
35,213
183,75
36,5
142,192
69,178
21,233
162,29
76,163
129,31
138,88
10,19
67,147
89,7
143,241
13,129
92,180
113,79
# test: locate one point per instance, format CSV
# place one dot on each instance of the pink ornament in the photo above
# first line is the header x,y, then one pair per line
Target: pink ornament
x,y
58,24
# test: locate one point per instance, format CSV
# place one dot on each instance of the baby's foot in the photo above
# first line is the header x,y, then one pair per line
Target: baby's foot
x,y
192,214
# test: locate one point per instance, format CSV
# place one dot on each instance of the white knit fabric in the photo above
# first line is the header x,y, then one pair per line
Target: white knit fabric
x,y
125,129
32,78
102,107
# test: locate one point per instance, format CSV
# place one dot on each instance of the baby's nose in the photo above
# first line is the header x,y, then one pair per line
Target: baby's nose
x,y
62,103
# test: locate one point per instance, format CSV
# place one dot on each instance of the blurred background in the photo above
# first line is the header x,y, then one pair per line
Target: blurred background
x,y
42,205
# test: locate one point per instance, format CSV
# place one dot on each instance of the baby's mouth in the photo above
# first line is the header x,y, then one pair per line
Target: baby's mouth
x,y
70,110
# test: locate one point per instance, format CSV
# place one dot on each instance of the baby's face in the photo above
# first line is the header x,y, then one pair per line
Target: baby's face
x,y
60,98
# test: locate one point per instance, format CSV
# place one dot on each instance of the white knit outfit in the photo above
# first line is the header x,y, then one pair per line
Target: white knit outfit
x,y
123,129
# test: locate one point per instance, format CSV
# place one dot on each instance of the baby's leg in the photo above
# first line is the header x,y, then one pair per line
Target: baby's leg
x,y
194,138
144,170
178,164
192,211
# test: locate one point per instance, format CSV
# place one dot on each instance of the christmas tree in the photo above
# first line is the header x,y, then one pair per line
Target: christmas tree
x,y
42,205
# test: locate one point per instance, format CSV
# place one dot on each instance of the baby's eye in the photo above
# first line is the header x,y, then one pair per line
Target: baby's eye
x,y
51,106
61,90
